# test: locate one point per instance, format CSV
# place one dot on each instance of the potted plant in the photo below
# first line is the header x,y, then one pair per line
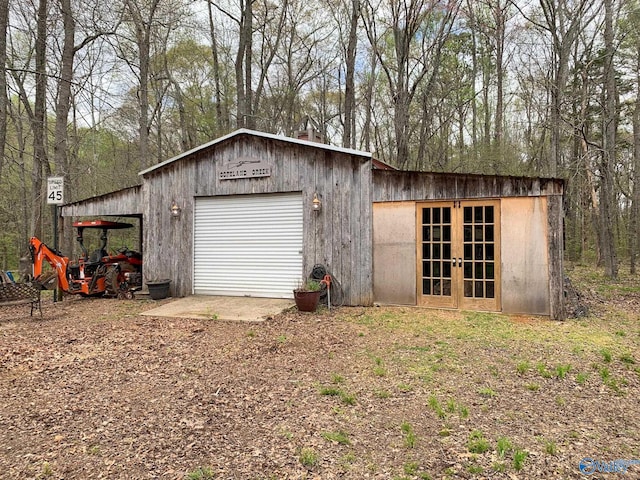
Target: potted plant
x,y
307,295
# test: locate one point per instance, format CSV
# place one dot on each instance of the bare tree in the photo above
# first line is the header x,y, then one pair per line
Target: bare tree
x,y
4,22
608,157
222,114
417,30
563,20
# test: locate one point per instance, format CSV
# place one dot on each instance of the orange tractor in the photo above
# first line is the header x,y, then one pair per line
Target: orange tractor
x,y
115,275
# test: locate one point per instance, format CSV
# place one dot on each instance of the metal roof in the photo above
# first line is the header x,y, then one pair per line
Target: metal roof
x,y
255,133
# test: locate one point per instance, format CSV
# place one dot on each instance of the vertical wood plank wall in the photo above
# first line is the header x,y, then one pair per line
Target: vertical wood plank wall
x,y
339,236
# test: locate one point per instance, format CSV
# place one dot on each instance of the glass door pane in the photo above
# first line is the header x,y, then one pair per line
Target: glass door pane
x,y
435,253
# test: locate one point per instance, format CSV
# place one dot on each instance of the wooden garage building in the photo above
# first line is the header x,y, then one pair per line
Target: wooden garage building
x,y
236,216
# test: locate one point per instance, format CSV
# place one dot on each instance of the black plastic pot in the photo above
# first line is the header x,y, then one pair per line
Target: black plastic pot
x,y
159,289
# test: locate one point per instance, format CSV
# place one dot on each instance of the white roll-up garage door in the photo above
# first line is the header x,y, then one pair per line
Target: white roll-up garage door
x,y
248,245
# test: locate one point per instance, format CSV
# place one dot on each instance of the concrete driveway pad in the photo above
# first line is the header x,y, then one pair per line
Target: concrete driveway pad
x,y
247,309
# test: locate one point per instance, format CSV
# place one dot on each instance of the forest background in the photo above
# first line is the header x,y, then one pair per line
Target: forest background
x,y
96,91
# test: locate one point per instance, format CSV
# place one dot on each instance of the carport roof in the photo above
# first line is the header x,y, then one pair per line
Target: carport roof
x,y
255,133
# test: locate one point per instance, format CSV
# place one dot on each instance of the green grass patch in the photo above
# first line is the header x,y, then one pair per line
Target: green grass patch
x,y
522,367
330,391
519,457
409,434
308,457
200,473
477,443
337,437
487,392
503,447
562,370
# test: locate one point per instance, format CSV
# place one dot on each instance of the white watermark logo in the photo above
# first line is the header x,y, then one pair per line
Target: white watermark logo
x,y
589,466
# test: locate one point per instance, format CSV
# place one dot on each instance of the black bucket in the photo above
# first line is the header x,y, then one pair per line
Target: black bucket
x,y
159,289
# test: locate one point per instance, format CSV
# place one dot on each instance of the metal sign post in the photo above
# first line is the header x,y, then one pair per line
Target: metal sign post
x,y
55,197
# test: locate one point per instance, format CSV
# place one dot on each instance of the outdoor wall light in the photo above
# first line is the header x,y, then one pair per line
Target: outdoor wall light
x,y
316,204
175,209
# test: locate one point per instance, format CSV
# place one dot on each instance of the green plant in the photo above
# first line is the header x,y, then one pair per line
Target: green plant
x,y
348,459
434,404
606,355
338,437
347,398
379,371
550,448
330,391
463,411
281,338
309,285
562,370
409,434
337,378
627,358
542,370
504,446
200,473
475,469
487,392
308,457
477,443
519,456
93,450
581,378
499,467
411,468
522,367
47,471
382,393
534,387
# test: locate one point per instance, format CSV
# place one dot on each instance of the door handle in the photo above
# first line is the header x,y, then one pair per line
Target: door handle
x,y
459,262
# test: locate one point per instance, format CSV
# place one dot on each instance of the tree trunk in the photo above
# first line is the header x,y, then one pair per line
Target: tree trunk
x,y
39,115
63,102
348,139
634,227
222,115
610,118
4,21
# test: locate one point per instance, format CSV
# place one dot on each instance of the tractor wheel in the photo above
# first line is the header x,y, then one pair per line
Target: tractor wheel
x,y
111,281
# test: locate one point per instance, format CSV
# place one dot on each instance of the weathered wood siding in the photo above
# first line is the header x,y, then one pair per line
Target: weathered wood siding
x,y
127,201
339,236
122,203
394,186
524,291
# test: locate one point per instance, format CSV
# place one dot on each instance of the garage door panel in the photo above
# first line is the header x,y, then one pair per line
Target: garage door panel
x,y
248,245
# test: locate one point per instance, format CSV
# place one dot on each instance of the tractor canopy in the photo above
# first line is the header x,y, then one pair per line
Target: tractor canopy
x,y
104,224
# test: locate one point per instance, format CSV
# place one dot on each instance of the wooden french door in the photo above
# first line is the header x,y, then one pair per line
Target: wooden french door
x,y
459,254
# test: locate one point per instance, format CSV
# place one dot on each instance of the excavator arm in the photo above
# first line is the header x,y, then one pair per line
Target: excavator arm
x,y
39,253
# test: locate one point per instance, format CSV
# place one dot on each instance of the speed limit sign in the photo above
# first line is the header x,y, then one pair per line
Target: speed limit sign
x,y
55,190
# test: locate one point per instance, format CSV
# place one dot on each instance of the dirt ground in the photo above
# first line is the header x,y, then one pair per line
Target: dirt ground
x,y
94,390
